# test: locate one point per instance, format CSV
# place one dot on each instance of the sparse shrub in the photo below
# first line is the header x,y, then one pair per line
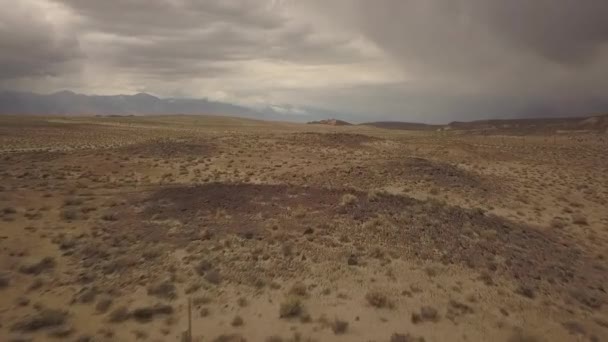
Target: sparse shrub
x,y
373,195
110,217
299,289
230,338
488,234
120,314
46,263
213,277
379,299
164,290
274,339
103,304
348,199
339,327
242,302
73,201
9,210
520,336
203,266
5,280
291,307
579,219
69,215
299,212
427,313
147,313
526,291
287,249
237,321
406,338
43,319
202,300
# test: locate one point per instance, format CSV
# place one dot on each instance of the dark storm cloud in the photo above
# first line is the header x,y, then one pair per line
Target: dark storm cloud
x,y
480,35
429,60
565,31
154,17
33,46
479,57
175,39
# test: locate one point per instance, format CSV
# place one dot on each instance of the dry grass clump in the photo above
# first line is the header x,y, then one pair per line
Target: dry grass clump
x,y
348,199
520,336
406,338
373,195
291,307
44,319
339,327
379,299
237,321
579,219
299,289
214,277
70,215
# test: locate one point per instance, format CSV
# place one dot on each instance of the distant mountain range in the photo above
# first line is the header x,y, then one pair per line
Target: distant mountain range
x,y
71,103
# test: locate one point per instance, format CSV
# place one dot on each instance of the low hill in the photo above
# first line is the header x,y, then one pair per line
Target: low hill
x,y
535,125
408,126
330,122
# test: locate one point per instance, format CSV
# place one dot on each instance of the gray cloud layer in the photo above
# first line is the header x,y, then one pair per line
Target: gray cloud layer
x,y
424,60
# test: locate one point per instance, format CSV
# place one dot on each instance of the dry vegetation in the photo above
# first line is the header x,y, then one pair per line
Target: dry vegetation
x,y
112,228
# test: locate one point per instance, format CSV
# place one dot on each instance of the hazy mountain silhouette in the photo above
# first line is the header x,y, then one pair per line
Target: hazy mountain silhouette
x,y
70,103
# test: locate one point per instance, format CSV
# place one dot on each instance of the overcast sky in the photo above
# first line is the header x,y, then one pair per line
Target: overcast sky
x,y
411,60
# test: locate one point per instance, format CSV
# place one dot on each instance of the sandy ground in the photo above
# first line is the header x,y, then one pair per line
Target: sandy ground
x,y
119,229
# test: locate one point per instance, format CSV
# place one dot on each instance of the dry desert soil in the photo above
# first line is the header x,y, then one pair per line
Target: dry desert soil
x,y
220,229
